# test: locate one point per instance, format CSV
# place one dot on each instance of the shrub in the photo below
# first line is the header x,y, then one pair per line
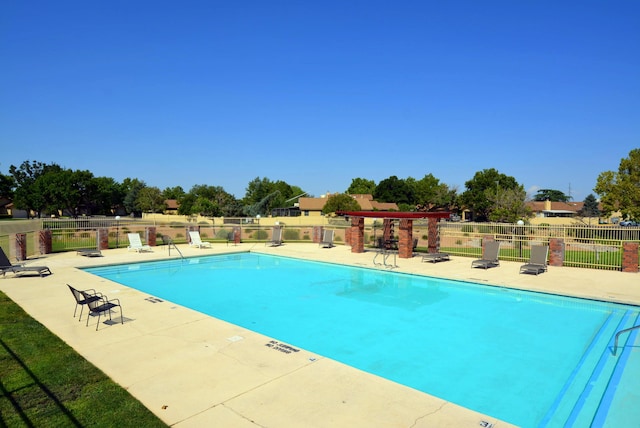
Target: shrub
x,y
467,228
291,235
260,235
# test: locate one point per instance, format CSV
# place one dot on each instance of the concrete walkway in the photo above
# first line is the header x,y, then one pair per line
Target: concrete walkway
x,y
193,370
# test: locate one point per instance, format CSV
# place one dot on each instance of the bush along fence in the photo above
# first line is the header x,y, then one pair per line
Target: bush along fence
x,y
611,248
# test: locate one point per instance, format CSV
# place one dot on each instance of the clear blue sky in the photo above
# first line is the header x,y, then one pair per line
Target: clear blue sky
x,y
318,93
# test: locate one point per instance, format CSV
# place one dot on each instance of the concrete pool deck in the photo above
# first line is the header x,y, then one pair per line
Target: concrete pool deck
x,y
193,370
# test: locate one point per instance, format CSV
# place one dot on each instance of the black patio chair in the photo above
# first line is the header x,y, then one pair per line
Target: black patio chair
x,y
101,305
82,299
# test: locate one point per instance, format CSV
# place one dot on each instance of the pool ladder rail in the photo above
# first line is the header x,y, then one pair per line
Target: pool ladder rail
x,y
167,240
615,342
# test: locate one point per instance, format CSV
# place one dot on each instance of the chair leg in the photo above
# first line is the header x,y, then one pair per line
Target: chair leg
x,y
98,323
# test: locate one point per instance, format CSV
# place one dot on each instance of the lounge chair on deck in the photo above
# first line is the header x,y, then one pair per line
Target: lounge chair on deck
x,y
101,305
435,257
276,237
89,252
537,260
135,243
490,256
327,239
196,241
6,266
83,299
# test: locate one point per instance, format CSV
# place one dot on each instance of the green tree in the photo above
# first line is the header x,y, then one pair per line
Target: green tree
x,y
7,186
620,191
431,194
26,196
508,205
551,195
340,202
590,207
475,197
173,192
131,188
361,186
150,200
106,196
393,189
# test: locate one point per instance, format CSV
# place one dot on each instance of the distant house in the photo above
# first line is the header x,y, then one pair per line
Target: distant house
x,y
558,212
172,206
313,206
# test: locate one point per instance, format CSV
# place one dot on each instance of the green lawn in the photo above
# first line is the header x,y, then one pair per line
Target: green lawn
x,y
45,383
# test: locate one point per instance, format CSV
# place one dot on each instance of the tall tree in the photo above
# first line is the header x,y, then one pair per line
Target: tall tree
x,y
508,205
475,197
361,186
173,192
590,207
7,186
393,189
431,194
131,188
26,196
620,191
150,200
551,195
340,202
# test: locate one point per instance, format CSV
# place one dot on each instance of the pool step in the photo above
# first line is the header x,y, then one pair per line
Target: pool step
x,y
578,402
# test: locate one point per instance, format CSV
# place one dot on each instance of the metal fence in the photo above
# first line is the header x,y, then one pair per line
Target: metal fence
x,y
595,247
589,247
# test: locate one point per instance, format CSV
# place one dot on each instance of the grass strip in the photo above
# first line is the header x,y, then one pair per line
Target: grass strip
x,y
44,382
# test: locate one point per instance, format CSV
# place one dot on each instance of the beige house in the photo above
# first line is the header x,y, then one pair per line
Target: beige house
x,y
560,213
313,206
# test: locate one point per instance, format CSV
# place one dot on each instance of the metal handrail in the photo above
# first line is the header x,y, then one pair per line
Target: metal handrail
x,y
170,244
615,343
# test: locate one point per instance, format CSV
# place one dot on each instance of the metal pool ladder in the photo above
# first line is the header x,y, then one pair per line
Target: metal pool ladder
x,y
615,342
170,244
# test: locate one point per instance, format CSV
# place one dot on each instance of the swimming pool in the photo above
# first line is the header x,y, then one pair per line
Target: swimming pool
x,y
529,359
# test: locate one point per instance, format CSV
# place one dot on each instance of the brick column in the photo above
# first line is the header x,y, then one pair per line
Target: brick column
x,y
347,236
45,243
357,234
150,235
433,235
236,235
317,234
405,239
630,257
556,252
102,238
21,246
387,229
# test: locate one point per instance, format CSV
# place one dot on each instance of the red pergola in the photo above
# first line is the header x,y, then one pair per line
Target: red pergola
x,y
405,241
394,215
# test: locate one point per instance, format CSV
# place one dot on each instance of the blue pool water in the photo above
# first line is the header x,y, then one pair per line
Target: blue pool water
x,y
527,358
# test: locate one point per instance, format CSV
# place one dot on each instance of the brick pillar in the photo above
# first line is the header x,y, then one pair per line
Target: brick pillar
x,y
150,235
45,241
21,246
387,229
556,252
630,257
347,236
102,238
433,235
357,234
405,239
317,234
236,235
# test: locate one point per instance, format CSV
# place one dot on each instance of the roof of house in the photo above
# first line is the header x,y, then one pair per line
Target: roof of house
x,y
172,204
366,203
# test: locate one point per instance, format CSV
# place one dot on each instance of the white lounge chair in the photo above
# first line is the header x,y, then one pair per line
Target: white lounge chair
x,y
196,241
135,243
327,239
